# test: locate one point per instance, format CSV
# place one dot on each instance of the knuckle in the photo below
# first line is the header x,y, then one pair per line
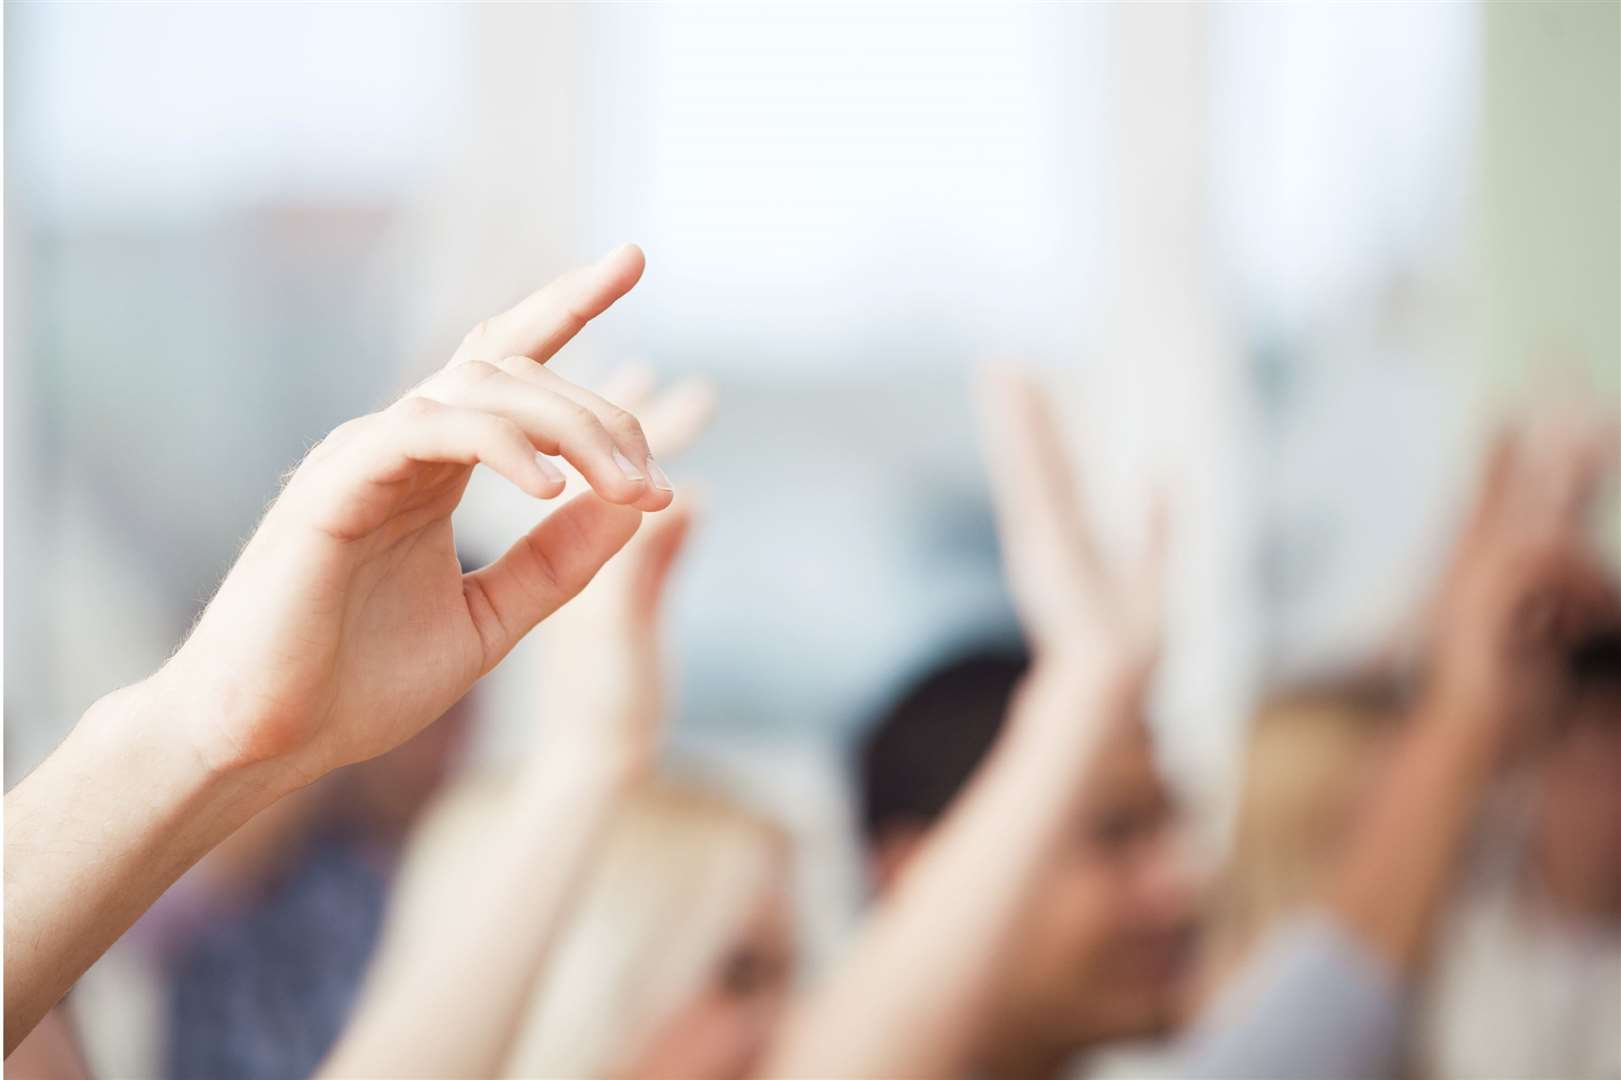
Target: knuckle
x,y
342,440
478,371
575,317
517,365
576,415
507,431
623,423
413,407
340,435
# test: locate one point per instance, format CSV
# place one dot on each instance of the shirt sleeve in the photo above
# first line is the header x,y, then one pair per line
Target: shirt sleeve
x,y
1313,1004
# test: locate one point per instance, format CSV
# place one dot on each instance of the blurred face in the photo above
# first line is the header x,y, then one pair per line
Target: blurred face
x,y
1105,954
723,1032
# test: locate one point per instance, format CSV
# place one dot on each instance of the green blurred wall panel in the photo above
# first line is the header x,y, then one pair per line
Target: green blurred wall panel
x,y
1551,195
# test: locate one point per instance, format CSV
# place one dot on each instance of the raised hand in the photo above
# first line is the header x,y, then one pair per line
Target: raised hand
x,y
347,625
1526,583
601,704
602,691
900,1004
1069,599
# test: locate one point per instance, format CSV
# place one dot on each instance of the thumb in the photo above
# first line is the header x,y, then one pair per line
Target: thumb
x,y
544,570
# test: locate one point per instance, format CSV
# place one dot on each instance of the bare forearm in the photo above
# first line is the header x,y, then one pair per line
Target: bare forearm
x,y
908,1000
1404,852
462,955
94,835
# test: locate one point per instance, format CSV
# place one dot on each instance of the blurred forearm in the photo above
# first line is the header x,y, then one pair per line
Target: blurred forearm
x,y
911,997
457,968
1403,853
486,935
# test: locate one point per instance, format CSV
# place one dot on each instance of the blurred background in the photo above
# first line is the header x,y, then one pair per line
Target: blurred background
x,y
1285,261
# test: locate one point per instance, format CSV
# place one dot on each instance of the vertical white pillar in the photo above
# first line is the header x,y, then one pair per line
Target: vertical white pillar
x,y
1176,394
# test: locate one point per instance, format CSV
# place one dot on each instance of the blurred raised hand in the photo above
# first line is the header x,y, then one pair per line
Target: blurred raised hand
x,y
902,1003
603,660
602,703
1071,601
1527,582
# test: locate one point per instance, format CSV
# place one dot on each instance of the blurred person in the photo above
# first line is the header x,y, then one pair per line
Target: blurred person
x,y
1103,952
1525,978
345,627
649,936
679,958
1526,587
673,960
1046,909
1313,755
1324,993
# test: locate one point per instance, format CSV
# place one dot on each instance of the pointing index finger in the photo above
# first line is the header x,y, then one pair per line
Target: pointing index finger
x,y
544,321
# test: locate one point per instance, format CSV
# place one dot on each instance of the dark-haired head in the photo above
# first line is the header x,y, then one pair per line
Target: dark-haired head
x,y
928,742
1102,951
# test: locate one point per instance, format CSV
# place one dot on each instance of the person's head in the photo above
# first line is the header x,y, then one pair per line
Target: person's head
x,y
1314,751
1102,955
677,958
1577,817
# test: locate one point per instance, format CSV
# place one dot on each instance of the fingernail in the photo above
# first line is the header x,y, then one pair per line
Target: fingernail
x,y
661,479
550,472
631,471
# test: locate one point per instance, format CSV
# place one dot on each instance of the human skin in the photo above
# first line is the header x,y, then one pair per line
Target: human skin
x,y
917,993
1525,584
345,627
488,919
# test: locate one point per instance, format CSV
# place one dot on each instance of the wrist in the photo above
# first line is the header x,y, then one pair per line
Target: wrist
x,y
139,738
183,730
1110,681
232,724
1070,698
